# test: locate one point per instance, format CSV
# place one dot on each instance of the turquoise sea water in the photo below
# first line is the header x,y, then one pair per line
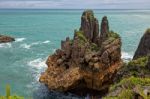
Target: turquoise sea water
x,y
39,32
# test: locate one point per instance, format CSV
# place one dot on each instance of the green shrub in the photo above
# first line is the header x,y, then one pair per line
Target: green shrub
x,y
127,85
148,30
113,35
131,82
94,47
8,94
7,91
110,98
126,94
139,62
81,36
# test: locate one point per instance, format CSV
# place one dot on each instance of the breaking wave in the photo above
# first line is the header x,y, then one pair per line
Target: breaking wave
x,y
20,39
28,46
38,63
5,45
126,56
47,41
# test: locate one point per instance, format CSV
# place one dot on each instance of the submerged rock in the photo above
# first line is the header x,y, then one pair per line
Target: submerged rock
x,y
6,39
144,46
83,64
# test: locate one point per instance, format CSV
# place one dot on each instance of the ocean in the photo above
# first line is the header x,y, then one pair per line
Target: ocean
x,y
38,34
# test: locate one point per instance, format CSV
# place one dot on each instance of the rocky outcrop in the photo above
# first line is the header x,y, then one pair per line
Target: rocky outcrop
x,y
82,63
104,29
89,26
132,80
6,39
144,47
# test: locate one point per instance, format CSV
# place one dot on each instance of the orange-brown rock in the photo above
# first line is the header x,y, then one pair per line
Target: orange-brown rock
x,y
82,63
6,39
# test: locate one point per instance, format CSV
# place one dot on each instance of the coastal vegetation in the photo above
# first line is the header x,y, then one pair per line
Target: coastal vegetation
x,y
129,88
134,82
9,96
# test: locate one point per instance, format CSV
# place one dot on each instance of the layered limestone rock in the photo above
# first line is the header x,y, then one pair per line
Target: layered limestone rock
x,y
6,39
82,62
144,47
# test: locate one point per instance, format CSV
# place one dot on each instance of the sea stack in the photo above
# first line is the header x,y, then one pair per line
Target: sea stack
x,y
144,46
88,61
6,39
89,26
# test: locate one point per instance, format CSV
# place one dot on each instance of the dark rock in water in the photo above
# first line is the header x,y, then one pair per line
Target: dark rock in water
x,y
6,39
81,63
144,46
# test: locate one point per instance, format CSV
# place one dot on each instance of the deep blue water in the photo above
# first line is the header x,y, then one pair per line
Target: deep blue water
x,y
39,32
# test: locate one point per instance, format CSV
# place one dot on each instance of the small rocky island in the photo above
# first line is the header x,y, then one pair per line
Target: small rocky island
x,y
89,61
6,39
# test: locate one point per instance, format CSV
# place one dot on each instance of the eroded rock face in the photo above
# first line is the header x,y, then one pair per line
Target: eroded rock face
x,y
89,25
104,29
82,63
6,39
144,46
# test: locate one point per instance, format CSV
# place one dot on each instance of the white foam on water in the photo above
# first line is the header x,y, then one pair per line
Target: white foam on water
x,y
20,39
45,42
54,50
35,43
5,45
26,46
126,56
37,66
38,63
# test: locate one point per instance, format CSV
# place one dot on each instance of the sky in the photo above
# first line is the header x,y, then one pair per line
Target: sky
x,y
75,4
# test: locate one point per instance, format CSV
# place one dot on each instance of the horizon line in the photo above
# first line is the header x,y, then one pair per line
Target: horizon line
x,y
65,9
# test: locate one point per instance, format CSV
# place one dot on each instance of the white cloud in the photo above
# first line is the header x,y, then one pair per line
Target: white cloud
x,y
104,4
